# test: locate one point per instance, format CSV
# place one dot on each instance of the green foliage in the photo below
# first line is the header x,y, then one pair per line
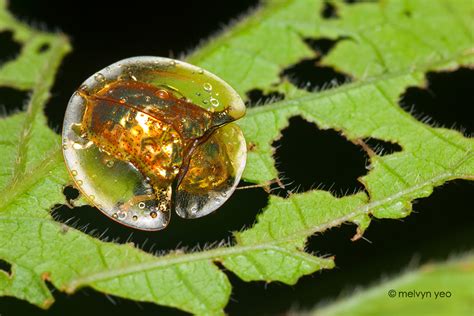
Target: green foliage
x,y
441,289
383,48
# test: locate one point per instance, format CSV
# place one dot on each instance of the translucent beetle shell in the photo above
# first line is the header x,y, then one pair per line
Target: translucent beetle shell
x,y
148,135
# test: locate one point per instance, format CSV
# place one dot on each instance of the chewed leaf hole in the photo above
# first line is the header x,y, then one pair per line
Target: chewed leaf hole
x,y
322,45
309,75
9,47
5,266
308,157
447,100
43,48
70,192
329,11
258,97
381,147
12,99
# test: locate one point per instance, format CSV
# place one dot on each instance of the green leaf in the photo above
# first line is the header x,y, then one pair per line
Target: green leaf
x,y
433,289
381,47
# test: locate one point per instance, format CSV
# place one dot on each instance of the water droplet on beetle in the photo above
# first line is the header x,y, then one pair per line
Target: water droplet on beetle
x,y
214,102
99,77
207,87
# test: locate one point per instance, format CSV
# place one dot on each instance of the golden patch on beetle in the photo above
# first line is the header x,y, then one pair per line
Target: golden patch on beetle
x,y
143,143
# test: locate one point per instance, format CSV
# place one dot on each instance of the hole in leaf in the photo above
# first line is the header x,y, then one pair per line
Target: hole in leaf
x,y
440,227
43,48
10,48
238,212
256,97
329,11
447,99
381,147
12,99
6,266
70,192
311,158
309,75
322,45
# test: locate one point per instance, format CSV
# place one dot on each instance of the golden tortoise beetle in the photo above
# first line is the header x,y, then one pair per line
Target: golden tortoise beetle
x,y
148,135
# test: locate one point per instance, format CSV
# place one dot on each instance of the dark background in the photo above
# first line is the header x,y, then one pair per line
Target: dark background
x,y
440,225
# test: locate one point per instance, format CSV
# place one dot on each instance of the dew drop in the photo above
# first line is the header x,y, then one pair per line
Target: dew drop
x,y
153,214
135,217
110,163
200,71
114,215
122,215
79,182
141,205
74,172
